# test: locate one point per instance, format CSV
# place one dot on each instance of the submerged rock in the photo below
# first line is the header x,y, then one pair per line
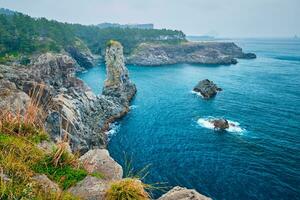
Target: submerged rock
x,y
220,124
99,160
207,88
90,188
179,193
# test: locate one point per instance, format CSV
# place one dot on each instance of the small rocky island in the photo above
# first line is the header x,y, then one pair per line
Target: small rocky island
x,y
187,52
207,89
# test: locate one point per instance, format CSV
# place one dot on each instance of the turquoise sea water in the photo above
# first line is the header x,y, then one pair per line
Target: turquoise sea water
x,y
167,124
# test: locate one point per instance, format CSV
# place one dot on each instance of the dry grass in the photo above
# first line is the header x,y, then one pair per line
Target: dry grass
x,y
128,189
29,122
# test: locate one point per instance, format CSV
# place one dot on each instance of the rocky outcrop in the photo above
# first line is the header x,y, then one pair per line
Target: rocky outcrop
x,y
98,160
117,83
90,188
207,88
188,52
83,58
70,106
179,193
220,124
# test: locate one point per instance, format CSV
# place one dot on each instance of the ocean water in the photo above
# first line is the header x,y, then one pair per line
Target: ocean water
x,y
167,126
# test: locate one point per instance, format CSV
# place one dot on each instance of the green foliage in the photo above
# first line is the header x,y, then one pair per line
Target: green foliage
x,y
22,34
64,174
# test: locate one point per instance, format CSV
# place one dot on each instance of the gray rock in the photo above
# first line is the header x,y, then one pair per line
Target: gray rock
x,y
220,124
98,160
83,56
179,193
12,99
207,88
46,184
4,178
70,105
189,52
90,188
117,83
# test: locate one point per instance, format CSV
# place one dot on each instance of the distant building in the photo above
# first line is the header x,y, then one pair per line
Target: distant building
x,y
5,11
115,25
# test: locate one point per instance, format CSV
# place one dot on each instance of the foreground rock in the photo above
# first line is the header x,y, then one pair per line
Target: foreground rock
x,y
207,88
90,188
179,193
220,124
46,184
70,106
98,160
189,52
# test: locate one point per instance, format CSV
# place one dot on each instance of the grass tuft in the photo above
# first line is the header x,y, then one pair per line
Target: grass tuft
x,y
128,189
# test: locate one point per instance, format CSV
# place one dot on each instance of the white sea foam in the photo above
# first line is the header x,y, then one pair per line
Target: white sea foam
x,y
113,130
132,107
197,93
234,127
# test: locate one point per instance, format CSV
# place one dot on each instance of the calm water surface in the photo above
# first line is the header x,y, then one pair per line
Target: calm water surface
x,y
261,161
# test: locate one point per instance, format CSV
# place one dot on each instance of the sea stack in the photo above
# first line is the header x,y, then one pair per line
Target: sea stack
x,y
117,83
207,88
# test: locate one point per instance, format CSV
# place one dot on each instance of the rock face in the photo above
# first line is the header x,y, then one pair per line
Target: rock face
x,y
117,83
98,160
179,193
207,88
46,184
189,52
90,188
70,105
82,57
220,124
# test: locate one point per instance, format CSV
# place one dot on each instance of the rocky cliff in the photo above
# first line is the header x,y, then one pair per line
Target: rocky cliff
x,y
188,52
71,108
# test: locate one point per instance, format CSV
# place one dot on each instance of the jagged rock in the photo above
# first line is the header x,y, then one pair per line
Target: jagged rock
x,y
99,160
189,52
70,106
82,56
117,83
12,99
46,184
90,188
207,88
179,193
220,124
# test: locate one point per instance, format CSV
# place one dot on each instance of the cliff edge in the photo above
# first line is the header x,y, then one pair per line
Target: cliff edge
x,y
188,52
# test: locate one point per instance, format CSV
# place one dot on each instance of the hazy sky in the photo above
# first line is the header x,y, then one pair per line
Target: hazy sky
x,y
227,18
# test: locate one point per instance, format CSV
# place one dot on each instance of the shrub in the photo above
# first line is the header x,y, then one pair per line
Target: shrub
x,y
127,189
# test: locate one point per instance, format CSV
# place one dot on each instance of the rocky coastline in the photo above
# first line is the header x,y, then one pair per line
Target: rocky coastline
x,y
72,109
225,53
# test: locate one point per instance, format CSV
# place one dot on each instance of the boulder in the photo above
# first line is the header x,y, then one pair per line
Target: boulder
x,y
12,99
46,184
90,188
220,124
207,88
99,160
179,193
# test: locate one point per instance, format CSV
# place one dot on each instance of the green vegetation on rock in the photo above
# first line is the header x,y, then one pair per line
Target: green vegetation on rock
x,y
23,35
